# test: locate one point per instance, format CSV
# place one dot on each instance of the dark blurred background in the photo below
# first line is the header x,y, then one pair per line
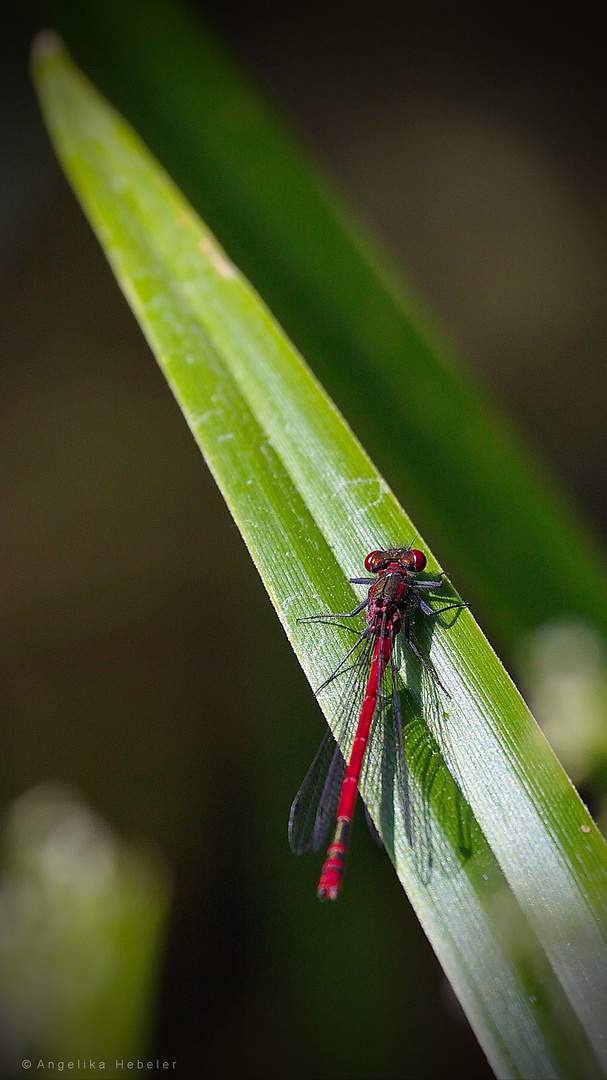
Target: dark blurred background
x,y
472,140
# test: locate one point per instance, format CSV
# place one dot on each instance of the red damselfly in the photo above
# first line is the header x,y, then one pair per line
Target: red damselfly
x,y
328,793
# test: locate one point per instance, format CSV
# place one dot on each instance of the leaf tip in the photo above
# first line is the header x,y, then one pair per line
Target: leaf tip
x,y
47,45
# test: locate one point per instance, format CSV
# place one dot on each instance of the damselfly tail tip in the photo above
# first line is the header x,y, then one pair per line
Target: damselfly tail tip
x,y
327,892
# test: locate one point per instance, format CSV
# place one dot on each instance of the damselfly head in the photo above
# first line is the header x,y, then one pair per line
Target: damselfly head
x,y
408,558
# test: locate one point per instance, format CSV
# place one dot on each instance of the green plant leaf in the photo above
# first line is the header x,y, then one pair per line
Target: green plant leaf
x,y
514,900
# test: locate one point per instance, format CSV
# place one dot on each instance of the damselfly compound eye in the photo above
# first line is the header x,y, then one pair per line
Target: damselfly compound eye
x,y
369,561
419,560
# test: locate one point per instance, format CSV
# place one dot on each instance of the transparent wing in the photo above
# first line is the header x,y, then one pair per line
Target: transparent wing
x,y
316,801
407,762
404,765
315,805
414,778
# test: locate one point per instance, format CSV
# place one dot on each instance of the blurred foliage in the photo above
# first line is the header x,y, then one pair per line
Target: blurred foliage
x,y
81,931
